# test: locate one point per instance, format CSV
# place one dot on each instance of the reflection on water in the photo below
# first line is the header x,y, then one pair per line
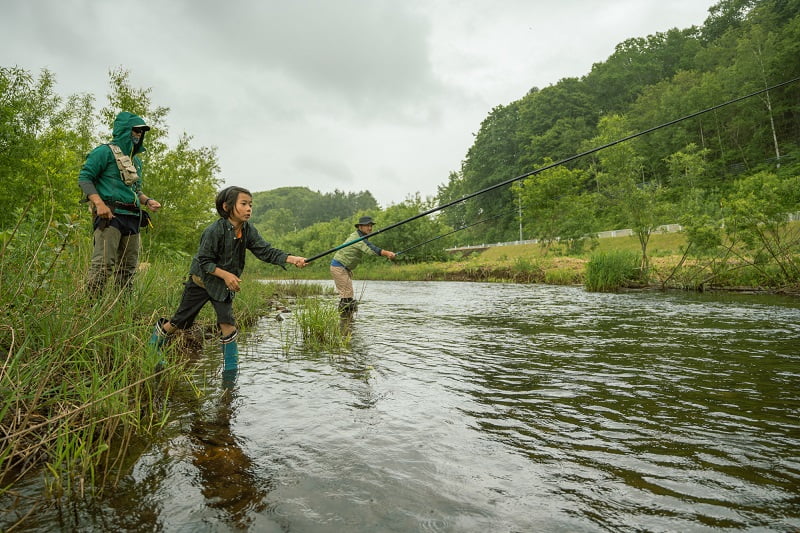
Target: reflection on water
x,y
480,407
227,480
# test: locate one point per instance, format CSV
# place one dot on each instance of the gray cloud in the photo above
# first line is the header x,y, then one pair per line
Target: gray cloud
x,y
372,95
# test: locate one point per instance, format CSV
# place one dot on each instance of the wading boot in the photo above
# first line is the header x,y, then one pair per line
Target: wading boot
x,y
347,306
230,352
157,340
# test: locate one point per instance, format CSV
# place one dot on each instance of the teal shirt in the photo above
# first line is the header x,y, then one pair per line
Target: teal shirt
x,y
219,247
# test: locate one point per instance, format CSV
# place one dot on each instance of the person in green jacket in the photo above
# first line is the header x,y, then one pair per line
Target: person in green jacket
x,y
215,270
348,258
111,180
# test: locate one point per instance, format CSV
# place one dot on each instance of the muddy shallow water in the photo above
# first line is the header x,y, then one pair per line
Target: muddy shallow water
x,y
487,407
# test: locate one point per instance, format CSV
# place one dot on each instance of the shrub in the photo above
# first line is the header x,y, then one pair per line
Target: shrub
x,y
610,271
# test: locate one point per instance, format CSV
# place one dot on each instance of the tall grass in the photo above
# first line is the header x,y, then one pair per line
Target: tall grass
x,y
321,326
77,381
610,271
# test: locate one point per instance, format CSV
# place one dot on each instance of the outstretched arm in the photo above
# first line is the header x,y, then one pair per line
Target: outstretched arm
x,y
299,262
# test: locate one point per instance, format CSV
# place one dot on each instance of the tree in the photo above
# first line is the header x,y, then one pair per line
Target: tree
x,y
39,153
557,207
725,16
492,159
631,200
184,179
687,168
756,217
411,235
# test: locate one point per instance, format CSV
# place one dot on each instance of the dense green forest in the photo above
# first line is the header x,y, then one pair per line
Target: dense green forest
x,y
730,176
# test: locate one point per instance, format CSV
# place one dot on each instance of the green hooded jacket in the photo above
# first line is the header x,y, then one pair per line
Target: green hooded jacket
x,y
100,173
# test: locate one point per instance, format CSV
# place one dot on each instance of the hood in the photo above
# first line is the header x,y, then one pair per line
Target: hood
x,y
123,125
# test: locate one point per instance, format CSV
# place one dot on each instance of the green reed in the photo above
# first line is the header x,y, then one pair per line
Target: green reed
x,y
612,270
77,380
321,326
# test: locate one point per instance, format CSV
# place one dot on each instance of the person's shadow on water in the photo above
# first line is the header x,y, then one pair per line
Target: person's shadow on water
x,y
227,473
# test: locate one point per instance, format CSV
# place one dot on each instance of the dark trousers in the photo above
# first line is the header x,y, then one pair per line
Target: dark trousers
x,y
193,299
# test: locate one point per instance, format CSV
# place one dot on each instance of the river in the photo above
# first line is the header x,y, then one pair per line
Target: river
x,y
464,407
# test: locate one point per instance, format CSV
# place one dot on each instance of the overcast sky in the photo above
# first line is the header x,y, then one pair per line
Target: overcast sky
x,y
378,95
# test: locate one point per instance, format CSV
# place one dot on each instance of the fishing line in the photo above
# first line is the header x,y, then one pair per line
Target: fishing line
x,y
548,167
453,231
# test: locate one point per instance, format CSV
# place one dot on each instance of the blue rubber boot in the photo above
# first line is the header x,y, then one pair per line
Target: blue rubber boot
x,y
157,340
159,336
230,352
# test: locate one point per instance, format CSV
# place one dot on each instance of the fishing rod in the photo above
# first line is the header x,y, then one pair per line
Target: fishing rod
x,y
451,232
551,165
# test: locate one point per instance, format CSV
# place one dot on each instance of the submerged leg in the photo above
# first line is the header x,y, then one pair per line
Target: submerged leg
x,y
347,306
158,339
230,351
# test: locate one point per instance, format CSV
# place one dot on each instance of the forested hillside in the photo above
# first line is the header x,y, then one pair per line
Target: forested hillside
x,y
288,209
725,175
693,170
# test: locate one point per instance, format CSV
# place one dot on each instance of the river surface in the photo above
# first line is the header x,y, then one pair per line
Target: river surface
x,y
468,407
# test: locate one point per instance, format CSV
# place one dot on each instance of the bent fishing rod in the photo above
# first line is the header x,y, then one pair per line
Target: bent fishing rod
x,y
453,231
551,165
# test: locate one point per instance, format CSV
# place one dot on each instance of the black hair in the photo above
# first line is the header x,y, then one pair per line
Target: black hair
x,y
228,196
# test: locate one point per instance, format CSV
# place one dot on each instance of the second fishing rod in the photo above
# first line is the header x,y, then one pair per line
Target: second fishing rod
x,y
551,165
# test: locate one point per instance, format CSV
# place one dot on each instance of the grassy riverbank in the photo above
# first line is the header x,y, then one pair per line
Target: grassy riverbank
x,y
78,384
668,267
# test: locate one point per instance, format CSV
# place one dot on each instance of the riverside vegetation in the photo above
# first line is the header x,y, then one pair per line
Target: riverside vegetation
x,y
77,383
613,264
78,386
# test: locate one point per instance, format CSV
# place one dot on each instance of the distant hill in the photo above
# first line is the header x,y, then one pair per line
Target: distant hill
x,y
288,209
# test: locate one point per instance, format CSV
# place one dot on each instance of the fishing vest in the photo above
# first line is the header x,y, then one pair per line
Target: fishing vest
x,y
127,170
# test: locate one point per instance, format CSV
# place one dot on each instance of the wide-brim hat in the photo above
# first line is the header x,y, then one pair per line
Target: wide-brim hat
x,y
365,221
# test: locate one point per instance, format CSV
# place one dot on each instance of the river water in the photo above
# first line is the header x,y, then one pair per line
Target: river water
x,y
464,407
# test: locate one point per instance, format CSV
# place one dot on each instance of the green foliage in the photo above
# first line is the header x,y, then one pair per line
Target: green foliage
x,y
673,174
744,46
41,145
492,159
555,207
409,238
324,236
321,327
757,220
45,138
185,182
288,209
77,383
76,379
610,271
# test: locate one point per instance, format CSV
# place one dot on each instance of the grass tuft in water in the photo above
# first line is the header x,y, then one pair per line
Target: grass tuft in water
x,y
321,326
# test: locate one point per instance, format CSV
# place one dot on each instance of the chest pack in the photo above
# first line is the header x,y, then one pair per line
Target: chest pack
x,y
127,170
